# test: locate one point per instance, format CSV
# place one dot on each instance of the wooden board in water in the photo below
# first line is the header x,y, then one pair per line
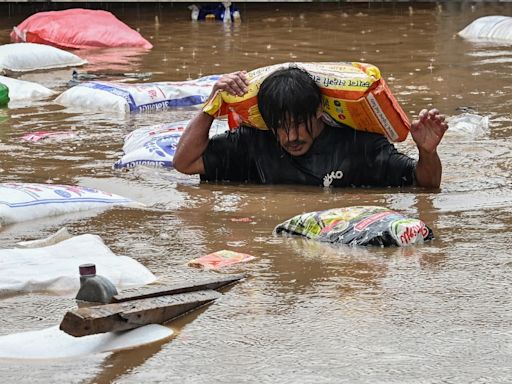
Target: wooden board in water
x,y
134,313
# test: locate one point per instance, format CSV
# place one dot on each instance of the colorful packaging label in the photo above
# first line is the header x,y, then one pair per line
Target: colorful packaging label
x,y
353,94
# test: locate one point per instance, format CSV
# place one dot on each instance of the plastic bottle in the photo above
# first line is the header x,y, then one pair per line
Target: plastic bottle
x,y
94,288
4,95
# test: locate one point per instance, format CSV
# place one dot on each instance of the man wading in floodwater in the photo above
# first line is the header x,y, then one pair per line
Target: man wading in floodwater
x,y
300,148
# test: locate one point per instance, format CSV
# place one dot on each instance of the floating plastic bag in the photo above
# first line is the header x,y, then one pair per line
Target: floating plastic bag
x,y
25,57
155,146
353,94
78,28
25,90
52,343
54,269
468,124
25,201
359,225
4,94
61,235
489,28
34,137
220,259
120,97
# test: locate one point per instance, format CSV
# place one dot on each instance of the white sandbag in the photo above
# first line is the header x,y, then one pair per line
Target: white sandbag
x,y
25,90
124,98
26,201
155,146
25,57
489,28
52,343
54,269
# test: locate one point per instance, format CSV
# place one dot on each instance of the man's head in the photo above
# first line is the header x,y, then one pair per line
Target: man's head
x,y
290,103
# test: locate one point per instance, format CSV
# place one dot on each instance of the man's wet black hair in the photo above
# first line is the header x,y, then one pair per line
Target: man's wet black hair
x,y
288,96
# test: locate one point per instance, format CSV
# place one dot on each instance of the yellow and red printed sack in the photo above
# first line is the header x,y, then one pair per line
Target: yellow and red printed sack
x,y
353,94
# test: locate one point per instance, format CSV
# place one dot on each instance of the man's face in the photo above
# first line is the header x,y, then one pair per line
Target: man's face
x,y
297,140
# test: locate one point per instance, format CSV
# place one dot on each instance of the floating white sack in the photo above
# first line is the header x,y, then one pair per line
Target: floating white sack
x,y
25,57
54,269
25,90
489,28
155,146
25,201
52,343
124,98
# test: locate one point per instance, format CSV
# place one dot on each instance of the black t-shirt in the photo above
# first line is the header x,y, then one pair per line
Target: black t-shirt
x,y
339,156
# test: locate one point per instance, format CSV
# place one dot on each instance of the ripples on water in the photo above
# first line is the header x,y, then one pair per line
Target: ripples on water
x,y
308,313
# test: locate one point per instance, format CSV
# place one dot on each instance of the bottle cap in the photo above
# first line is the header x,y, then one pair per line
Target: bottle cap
x,y
87,269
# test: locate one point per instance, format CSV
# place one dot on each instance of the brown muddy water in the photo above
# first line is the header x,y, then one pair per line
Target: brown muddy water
x,y
308,313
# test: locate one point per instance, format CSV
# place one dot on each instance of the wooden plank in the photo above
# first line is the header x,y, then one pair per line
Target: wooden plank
x,y
134,313
148,291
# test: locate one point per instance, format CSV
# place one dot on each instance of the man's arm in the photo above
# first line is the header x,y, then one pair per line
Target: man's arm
x,y
189,151
427,132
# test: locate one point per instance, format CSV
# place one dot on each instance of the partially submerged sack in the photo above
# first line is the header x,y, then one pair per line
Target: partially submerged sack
x,y
78,28
54,269
359,225
4,94
489,28
25,201
353,94
25,90
155,146
52,343
25,57
124,98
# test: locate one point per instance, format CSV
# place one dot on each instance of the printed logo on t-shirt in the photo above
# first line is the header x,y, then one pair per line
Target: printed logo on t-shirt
x,y
329,178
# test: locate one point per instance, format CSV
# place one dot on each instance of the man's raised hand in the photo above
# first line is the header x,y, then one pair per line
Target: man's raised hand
x,y
428,130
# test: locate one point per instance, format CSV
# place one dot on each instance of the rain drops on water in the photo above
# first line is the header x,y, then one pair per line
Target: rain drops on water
x,y
431,65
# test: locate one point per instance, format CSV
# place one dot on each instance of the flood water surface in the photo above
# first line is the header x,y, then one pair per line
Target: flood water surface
x,y
308,312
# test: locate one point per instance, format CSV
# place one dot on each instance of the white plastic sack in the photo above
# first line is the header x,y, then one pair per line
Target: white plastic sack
x,y
54,269
25,57
25,201
124,98
489,28
52,343
25,90
155,146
